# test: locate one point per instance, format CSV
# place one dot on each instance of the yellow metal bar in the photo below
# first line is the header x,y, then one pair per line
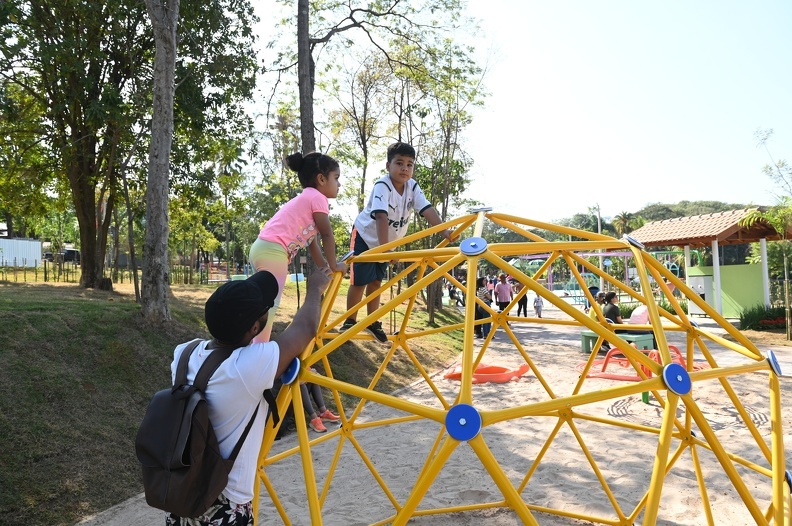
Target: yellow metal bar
x,y
777,445
385,308
542,408
593,464
373,470
509,249
660,460
539,456
555,228
426,376
723,459
381,398
472,300
706,505
425,481
496,218
513,498
305,454
642,503
651,306
275,500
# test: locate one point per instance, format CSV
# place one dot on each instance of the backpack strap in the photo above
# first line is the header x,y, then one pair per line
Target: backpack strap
x,y
210,365
218,355
181,368
273,406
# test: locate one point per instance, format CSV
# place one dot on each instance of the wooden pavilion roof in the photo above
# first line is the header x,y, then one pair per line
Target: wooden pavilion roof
x,y
702,230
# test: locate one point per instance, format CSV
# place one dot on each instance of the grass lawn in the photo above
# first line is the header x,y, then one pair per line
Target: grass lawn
x,y
77,370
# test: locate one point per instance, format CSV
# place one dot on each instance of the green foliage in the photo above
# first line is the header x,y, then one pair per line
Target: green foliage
x,y
762,317
659,212
86,71
665,304
626,309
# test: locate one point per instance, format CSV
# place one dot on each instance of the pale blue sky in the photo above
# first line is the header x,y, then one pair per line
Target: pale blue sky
x,y
626,103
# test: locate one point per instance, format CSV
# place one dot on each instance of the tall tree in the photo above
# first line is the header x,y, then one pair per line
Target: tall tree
x,y
89,66
622,222
76,60
381,23
359,93
164,16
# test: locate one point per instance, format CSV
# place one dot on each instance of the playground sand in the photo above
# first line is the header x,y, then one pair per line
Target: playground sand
x,y
564,478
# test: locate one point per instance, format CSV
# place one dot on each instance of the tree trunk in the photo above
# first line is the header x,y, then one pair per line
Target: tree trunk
x,y
131,237
154,294
305,77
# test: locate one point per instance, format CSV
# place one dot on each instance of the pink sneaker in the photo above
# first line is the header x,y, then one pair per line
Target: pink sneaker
x,y
329,415
317,425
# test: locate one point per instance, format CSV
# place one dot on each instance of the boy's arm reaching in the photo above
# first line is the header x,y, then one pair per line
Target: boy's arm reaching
x,y
431,215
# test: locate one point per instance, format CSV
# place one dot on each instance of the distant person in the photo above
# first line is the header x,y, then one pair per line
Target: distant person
x,y
522,303
640,316
600,300
482,330
455,296
300,223
503,293
385,218
611,309
537,305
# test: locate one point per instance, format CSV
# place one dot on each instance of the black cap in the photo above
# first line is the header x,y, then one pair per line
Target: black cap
x,y
235,306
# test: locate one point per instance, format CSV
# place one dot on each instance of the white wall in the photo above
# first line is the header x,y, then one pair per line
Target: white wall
x,y
27,252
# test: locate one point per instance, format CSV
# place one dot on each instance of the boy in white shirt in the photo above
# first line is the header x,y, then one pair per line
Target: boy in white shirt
x,y
385,218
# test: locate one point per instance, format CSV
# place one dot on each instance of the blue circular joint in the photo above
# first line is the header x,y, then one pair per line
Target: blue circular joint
x,y
473,246
788,477
677,379
774,365
463,422
290,374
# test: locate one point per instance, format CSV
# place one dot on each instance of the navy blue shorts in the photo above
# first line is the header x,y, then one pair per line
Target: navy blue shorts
x,y
364,273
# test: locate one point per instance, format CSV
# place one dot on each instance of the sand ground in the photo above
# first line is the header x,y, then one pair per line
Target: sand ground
x,y
563,479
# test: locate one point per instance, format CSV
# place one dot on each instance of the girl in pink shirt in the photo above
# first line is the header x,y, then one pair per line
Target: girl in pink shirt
x,y
299,223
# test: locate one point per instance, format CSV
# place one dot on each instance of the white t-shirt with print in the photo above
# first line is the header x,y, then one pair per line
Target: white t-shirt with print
x,y
232,394
399,207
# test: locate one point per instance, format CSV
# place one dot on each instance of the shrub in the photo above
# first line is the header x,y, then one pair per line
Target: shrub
x,y
762,317
665,304
626,309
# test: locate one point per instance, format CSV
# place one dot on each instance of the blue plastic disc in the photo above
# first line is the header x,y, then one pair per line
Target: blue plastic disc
x,y
693,323
774,365
463,422
473,246
290,374
788,477
677,379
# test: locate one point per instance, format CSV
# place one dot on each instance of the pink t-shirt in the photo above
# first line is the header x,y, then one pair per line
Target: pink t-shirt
x,y
293,226
503,292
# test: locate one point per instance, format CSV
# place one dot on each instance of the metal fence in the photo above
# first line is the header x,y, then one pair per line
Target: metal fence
x,y
70,272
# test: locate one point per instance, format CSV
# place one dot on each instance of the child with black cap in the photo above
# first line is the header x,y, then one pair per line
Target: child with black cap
x,y
235,313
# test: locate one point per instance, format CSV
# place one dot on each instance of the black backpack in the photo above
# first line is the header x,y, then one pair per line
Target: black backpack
x,y
183,470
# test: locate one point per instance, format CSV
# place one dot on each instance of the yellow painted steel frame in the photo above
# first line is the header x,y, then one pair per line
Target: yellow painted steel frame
x,y
675,435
